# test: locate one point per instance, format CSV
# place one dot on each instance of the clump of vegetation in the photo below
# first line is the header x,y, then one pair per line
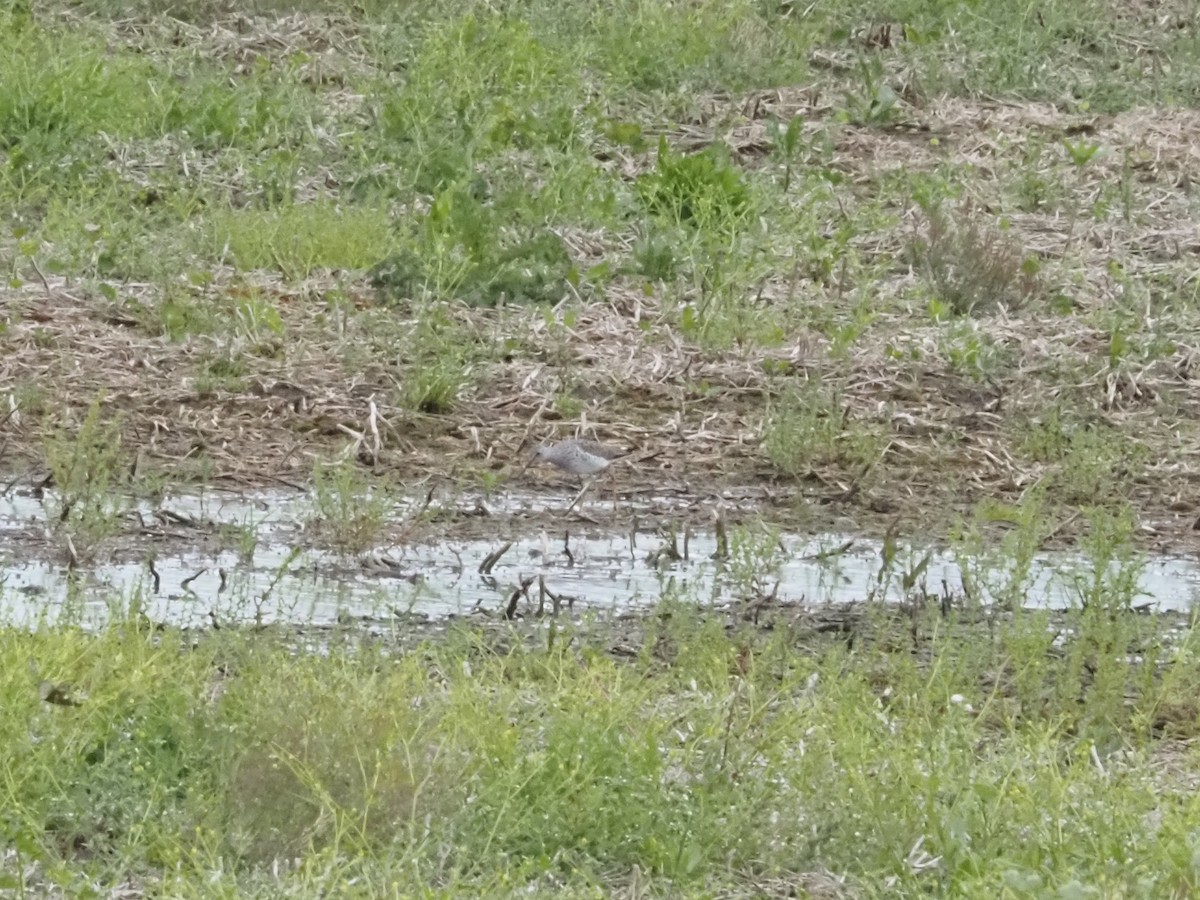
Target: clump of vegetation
x,y
433,384
872,102
968,265
439,359
700,189
223,372
89,476
349,512
1086,459
471,250
479,87
228,760
809,427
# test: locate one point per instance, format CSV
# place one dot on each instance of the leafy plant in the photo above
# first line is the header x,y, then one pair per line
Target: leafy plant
x,y
1081,152
89,474
469,250
177,315
787,145
348,511
973,352
755,559
1110,580
701,189
809,427
258,319
873,103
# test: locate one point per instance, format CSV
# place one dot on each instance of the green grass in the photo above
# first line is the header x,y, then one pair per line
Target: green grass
x,y
349,513
458,99
809,429
303,238
89,470
982,763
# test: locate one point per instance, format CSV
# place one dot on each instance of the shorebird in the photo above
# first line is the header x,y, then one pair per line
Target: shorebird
x,y
580,457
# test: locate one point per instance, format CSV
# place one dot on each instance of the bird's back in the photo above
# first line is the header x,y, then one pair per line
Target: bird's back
x,y
579,456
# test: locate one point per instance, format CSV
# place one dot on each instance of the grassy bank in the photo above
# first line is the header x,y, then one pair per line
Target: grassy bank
x,y
897,754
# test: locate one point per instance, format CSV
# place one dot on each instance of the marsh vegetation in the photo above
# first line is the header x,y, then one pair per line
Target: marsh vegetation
x,y
924,274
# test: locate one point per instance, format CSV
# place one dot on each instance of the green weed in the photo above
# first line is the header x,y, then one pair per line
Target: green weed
x,y
350,512
872,102
755,558
179,314
439,365
89,471
1115,568
972,352
1002,571
702,189
808,427
242,538
657,256
477,87
1091,462
222,372
30,399
466,249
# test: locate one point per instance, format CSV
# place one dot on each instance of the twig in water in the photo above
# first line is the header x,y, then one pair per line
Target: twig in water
x,y
555,599
489,561
186,584
579,496
823,555
72,556
413,519
510,611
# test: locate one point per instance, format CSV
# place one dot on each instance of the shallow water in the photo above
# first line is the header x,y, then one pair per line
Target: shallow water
x,y
272,582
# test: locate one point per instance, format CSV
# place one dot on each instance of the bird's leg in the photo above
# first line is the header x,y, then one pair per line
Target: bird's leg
x,y
612,486
579,496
